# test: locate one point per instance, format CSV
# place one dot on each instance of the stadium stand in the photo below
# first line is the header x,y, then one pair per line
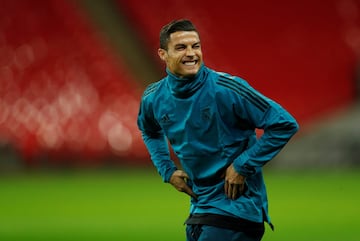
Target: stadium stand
x,y
62,91
293,51
67,98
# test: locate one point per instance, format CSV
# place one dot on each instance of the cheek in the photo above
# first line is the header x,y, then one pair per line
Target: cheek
x,y
174,61
171,65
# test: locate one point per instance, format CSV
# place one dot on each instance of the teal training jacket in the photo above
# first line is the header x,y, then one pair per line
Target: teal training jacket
x,y
210,122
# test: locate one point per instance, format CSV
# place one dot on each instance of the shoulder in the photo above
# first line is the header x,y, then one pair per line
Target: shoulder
x,y
227,82
152,89
238,88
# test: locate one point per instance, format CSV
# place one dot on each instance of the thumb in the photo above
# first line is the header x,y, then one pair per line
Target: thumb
x,y
187,189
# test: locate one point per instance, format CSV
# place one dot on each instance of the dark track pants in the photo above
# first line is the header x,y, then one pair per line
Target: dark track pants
x,y
198,232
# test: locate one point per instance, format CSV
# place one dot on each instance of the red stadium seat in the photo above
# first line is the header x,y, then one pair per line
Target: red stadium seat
x,y
292,51
59,81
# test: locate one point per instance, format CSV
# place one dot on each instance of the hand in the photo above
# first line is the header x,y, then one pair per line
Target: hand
x,y
178,180
234,183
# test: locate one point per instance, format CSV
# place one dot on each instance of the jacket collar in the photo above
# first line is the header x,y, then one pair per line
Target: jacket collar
x,y
185,87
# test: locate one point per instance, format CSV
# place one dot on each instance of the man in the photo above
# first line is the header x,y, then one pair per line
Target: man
x,y
209,118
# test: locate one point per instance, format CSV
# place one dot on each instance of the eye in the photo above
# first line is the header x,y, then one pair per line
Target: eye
x,y
196,46
179,47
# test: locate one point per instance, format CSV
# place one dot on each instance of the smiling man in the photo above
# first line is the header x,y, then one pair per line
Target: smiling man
x,y
182,54
209,118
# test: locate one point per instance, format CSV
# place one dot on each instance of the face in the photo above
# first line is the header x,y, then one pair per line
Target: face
x,y
183,56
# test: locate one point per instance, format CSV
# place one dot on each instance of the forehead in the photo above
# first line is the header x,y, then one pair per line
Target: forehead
x,y
184,37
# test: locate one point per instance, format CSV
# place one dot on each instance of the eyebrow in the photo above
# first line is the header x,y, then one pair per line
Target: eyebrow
x,y
182,44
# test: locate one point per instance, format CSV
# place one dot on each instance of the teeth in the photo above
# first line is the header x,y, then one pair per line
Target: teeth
x,y
190,63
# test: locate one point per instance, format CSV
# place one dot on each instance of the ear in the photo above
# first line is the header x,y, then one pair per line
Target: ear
x,y
162,54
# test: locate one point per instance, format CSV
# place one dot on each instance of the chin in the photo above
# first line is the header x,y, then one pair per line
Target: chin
x,y
191,73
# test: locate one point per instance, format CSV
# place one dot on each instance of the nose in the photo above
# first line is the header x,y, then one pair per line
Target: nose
x,y
190,51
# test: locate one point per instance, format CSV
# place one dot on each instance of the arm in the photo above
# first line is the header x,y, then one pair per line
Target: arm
x,y
278,125
155,142
159,154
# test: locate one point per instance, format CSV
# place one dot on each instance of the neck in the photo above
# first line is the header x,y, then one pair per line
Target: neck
x,y
183,87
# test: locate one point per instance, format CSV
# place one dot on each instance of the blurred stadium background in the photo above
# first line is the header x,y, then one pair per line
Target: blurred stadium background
x,y
72,162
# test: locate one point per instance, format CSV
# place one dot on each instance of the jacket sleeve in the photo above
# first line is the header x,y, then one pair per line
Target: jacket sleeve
x,y
155,141
278,126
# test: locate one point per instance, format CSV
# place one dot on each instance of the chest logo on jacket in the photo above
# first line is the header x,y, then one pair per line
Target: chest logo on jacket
x,y
165,119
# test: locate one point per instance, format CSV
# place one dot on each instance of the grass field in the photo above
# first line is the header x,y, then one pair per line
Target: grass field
x,y
134,205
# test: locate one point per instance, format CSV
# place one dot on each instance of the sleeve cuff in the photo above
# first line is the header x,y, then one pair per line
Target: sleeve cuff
x,y
241,167
168,174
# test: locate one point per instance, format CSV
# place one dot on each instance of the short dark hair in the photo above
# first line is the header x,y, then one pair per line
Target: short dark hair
x,y
172,27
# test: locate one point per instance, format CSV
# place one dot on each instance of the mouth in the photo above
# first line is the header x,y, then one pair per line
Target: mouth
x,y
190,63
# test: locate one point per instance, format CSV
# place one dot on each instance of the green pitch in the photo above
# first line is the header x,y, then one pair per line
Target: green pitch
x,y
134,205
